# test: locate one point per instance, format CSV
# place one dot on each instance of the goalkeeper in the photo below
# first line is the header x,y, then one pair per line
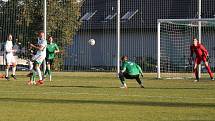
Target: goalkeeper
x,y
51,50
130,70
201,54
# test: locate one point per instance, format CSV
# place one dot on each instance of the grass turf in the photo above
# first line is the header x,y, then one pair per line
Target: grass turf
x,y
87,96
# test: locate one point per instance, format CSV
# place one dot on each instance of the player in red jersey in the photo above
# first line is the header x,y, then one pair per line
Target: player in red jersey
x,y
201,55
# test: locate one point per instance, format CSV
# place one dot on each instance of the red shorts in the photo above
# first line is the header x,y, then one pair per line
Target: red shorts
x,y
198,60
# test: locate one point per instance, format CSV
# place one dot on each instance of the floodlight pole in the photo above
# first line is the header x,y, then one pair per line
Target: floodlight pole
x,y
118,36
200,30
45,30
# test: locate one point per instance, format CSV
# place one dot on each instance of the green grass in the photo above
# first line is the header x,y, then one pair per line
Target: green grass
x,y
74,96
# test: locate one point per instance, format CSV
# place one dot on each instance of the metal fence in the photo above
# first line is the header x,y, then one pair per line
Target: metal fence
x,y
98,21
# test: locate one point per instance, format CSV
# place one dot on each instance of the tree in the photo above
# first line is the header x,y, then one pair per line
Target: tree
x,y
24,18
62,18
9,14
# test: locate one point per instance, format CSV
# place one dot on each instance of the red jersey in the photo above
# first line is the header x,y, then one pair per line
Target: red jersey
x,y
199,50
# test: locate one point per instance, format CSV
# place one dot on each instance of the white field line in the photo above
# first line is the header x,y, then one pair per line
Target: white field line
x,y
94,94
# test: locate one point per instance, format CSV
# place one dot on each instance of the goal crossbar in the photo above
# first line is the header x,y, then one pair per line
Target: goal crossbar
x,y
176,20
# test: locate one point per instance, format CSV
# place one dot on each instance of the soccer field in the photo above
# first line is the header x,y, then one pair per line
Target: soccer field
x,y
88,96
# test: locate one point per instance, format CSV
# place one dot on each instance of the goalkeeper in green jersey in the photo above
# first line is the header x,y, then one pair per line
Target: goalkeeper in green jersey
x,y
51,50
130,70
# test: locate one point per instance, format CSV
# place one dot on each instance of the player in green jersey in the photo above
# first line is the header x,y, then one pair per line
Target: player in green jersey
x,y
51,50
130,70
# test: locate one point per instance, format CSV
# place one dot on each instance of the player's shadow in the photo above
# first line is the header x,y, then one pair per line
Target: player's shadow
x,y
81,86
110,102
153,88
174,88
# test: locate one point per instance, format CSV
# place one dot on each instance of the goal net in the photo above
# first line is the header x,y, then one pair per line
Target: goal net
x,y
174,40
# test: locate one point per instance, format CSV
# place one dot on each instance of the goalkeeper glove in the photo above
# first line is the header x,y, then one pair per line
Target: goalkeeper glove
x,y
190,60
141,74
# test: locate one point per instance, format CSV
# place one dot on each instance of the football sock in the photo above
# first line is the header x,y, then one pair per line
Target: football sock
x,y
122,78
138,81
14,70
50,75
39,73
6,72
46,72
32,78
196,73
49,72
31,65
209,71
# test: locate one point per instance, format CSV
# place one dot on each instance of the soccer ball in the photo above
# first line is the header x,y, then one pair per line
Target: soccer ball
x,y
92,42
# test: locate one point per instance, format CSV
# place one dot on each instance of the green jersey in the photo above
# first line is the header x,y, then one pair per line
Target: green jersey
x,y
50,50
131,68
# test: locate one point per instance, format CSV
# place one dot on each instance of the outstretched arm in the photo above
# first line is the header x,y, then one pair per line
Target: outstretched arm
x,y
40,47
140,70
124,66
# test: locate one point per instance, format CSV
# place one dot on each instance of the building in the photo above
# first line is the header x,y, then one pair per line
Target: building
x,y
138,31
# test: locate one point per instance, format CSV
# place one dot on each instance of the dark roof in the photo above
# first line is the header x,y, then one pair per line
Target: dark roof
x,y
148,12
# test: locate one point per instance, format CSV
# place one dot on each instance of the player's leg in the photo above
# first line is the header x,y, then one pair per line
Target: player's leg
x,y
32,75
14,67
7,71
14,71
32,79
195,69
8,62
37,68
122,80
39,61
137,77
48,68
208,68
46,71
44,66
30,65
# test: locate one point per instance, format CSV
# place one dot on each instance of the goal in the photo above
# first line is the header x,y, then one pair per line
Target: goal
x,y
174,40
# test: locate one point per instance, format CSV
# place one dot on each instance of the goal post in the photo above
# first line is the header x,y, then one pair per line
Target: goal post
x,y
174,37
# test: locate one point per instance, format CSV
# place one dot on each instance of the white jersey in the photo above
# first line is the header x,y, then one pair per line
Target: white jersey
x,y
41,54
42,43
9,47
10,59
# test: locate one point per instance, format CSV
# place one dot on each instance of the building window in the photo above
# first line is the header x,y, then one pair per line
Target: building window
x,y
87,16
129,15
111,16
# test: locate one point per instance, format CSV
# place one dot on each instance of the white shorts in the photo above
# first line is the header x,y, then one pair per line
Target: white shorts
x,y
10,59
38,58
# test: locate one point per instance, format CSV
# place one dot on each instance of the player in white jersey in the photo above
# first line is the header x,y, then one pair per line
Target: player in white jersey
x,y
9,57
38,58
